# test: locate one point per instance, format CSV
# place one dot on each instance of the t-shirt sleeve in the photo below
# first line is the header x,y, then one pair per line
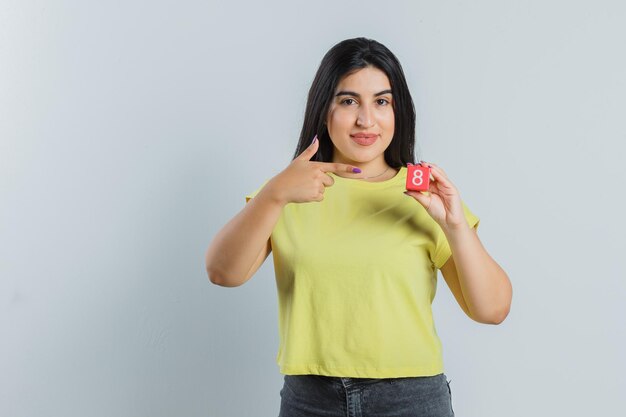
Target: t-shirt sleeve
x,y
442,249
255,192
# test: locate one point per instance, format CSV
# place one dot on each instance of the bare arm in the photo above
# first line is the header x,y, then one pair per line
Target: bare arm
x,y
243,243
485,286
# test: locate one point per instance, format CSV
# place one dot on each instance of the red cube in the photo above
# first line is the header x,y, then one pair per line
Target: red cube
x,y
417,177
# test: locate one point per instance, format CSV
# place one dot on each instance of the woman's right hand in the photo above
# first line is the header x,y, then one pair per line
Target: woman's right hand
x,y
304,180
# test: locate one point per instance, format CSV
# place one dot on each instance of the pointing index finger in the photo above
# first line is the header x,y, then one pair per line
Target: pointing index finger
x,y
338,167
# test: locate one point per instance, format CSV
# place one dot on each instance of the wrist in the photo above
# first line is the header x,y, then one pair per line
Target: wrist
x,y
272,196
456,228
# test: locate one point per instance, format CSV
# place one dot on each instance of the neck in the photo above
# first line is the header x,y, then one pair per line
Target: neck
x,y
377,170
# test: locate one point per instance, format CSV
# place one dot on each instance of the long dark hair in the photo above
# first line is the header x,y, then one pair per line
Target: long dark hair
x,y
343,59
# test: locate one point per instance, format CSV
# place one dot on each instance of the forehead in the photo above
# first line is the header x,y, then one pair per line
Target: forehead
x,y
367,80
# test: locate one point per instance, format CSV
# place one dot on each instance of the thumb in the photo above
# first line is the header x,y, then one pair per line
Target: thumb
x,y
310,151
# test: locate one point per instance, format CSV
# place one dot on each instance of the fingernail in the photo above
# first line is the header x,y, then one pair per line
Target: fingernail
x,y
430,166
314,139
356,170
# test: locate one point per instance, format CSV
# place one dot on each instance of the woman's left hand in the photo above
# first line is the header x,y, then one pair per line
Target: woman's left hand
x,y
443,202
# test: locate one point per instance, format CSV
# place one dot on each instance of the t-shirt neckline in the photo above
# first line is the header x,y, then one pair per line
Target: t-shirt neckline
x,y
400,176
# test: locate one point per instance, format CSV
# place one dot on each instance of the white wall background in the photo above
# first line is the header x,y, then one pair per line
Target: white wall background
x,y
128,130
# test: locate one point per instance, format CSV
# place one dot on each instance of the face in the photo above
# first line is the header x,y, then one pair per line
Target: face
x,y
362,103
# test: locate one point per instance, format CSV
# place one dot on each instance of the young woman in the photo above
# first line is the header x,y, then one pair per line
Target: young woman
x,y
355,256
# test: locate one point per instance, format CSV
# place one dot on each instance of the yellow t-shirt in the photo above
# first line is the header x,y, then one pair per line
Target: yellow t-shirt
x,y
356,275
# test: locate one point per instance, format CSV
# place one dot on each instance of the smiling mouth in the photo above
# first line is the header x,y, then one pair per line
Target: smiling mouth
x,y
364,140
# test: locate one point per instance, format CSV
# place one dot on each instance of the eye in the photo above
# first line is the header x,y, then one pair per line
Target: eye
x,y
343,101
383,99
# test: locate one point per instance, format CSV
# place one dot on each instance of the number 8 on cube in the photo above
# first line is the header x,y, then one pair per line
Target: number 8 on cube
x,y
417,177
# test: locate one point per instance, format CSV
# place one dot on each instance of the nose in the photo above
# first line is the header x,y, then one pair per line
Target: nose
x,y
365,118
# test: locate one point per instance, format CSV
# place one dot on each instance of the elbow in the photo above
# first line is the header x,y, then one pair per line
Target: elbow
x,y
214,276
504,314
500,316
212,272
209,268
217,278
496,317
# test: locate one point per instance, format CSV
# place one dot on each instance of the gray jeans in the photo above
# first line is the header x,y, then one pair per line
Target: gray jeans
x,y
320,395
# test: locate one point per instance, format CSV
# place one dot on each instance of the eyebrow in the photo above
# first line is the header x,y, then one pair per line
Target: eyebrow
x,y
352,93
